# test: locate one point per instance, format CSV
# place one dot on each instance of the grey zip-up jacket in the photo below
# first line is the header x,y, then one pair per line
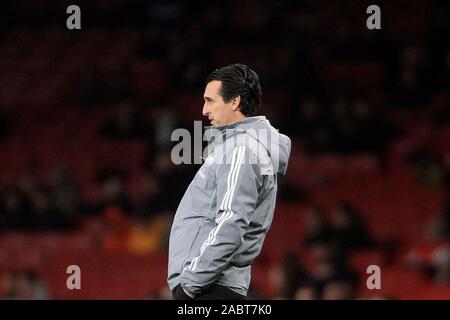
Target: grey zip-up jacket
x,y
224,215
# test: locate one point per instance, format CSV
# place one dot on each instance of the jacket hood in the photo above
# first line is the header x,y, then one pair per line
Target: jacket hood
x,y
277,145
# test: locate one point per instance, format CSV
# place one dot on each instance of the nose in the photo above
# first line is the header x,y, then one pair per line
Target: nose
x,y
205,110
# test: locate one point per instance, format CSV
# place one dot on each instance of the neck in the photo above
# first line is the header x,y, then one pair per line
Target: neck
x,y
237,117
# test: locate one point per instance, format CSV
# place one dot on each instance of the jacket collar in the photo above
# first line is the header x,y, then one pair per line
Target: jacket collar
x,y
237,123
211,132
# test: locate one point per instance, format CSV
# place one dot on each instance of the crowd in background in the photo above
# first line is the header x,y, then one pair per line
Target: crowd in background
x,y
330,243
295,47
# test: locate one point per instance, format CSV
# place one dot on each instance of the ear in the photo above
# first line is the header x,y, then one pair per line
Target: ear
x,y
235,103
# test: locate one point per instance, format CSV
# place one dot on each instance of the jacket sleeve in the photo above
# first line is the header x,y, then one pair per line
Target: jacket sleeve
x,y
238,182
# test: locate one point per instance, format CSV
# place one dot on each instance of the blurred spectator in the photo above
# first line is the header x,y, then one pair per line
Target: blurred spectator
x,y
66,195
136,236
33,205
348,229
165,121
45,215
7,285
305,292
147,236
125,123
413,78
172,179
430,171
15,212
446,214
113,193
30,287
338,290
148,202
373,131
317,229
327,267
286,277
432,254
161,121
311,125
23,286
441,264
118,230
353,126
27,183
163,293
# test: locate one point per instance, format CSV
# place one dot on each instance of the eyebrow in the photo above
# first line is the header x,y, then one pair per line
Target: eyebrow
x,y
208,99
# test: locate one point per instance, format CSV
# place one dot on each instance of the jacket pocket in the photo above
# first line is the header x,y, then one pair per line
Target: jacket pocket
x,y
191,247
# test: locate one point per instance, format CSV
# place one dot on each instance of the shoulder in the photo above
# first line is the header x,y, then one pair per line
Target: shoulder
x,y
246,150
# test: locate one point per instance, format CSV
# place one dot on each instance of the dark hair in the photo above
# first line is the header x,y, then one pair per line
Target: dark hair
x,y
239,80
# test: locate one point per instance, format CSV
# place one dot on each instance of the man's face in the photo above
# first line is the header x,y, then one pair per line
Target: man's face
x,y
217,111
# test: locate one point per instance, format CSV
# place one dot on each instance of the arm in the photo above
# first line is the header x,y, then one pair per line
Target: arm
x,y
237,193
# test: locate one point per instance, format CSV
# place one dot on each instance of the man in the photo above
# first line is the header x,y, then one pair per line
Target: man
x,y
223,217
